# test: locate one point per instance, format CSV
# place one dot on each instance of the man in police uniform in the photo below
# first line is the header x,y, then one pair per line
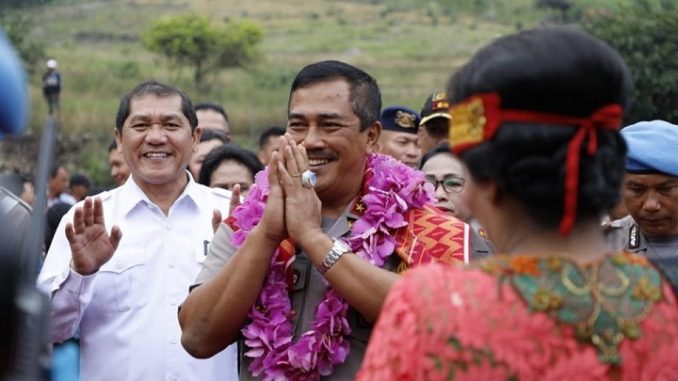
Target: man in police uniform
x,y
650,191
333,118
435,122
398,137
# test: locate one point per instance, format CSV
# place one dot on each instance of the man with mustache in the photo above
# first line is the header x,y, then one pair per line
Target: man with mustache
x,y
650,192
301,269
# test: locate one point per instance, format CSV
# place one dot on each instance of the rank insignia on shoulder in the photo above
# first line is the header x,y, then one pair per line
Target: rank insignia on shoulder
x,y
634,237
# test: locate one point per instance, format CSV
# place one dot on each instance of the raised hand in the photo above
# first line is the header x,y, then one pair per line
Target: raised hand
x,y
272,223
91,245
235,199
302,205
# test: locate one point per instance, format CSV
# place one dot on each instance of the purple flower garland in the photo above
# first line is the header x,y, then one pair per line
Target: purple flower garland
x,y
392,190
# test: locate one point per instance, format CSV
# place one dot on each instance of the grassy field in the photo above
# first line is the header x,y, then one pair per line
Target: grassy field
x,y
411,50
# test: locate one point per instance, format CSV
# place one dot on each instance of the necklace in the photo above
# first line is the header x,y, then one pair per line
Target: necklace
x,y
390,189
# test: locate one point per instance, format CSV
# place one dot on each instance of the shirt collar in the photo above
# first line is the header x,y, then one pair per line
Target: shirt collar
x,y
131,195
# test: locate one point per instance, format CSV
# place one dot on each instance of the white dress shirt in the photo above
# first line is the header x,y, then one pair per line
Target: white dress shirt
x,y
127,311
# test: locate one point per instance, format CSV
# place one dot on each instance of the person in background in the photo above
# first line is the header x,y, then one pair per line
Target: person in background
x,y
535,118
398,137
119,169
212,116
51,85
229,165
209,140
121,262
268,143
57,185
650,193
79,186
448,175
435,121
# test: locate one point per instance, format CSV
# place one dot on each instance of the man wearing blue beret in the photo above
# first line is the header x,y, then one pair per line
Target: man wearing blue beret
x,y
650,192
398,137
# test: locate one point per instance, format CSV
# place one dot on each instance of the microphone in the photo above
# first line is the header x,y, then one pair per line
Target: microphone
x,y
13,90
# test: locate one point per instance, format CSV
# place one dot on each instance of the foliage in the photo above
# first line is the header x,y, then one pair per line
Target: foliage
x,y
9,4
648,42
18,28
191,40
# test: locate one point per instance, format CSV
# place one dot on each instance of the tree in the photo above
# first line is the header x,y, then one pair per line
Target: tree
x,y
648,42
191,40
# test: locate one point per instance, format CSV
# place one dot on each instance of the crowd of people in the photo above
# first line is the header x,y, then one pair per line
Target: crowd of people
x,y
472,240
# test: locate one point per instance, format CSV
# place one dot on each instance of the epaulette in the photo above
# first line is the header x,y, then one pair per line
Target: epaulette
x,y
634,237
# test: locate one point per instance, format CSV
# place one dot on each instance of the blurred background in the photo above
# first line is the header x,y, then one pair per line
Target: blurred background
x,y
244,55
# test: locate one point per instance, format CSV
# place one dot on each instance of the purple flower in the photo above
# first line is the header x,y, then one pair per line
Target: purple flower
x,y
393,190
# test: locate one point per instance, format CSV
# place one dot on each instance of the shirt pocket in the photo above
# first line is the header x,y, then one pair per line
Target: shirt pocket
x,y
122,284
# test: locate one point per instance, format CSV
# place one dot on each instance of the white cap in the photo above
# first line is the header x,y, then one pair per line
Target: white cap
x,y
51,63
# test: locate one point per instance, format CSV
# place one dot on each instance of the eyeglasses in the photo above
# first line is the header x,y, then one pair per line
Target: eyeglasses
x,y
450,184
244,187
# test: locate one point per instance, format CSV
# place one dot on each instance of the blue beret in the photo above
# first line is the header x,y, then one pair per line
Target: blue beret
x,y
13,91
652,147
400,118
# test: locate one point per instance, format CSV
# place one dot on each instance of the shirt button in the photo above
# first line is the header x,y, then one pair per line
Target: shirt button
x,y
173,301
170,265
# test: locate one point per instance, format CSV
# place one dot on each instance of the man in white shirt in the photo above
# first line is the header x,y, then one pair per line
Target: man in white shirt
x,y
121,263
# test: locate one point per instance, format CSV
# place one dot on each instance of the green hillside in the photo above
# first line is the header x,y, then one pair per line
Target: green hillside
x,y
410,46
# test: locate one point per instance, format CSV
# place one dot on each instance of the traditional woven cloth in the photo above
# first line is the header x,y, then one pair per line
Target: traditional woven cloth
x,y
432,236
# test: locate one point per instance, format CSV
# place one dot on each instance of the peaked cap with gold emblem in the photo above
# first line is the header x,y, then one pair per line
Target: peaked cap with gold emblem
x,y
400,119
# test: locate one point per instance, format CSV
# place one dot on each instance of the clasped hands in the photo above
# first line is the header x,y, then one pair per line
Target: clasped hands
x,y
292,210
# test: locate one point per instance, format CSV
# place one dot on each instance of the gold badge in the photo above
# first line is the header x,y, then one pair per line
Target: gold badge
x,y
439,101
467,126
439,96
405,119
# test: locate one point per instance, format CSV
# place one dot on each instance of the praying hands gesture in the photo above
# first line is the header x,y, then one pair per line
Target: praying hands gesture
x,y
292,209
91,245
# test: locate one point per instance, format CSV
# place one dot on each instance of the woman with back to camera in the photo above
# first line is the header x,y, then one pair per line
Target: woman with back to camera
x,y
535,117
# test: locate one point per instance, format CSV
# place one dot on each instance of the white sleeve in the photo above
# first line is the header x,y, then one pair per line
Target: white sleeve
x,y
69,292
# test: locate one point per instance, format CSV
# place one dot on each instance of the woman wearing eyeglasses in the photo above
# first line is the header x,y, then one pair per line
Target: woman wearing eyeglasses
x,y
447,175
535,118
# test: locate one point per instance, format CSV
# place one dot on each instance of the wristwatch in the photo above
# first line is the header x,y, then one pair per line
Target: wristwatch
x,y
338,249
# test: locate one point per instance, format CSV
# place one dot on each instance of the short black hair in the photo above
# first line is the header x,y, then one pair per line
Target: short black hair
x,y
213,107
80,179
160,90
225,152
112,146
210,134
438,128
440,148
364,94
527,160
268,133
55,169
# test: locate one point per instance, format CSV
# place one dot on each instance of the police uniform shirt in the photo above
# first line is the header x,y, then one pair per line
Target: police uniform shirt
x,y
661,251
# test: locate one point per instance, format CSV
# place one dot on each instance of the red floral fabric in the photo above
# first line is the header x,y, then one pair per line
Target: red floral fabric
x,y
454,323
